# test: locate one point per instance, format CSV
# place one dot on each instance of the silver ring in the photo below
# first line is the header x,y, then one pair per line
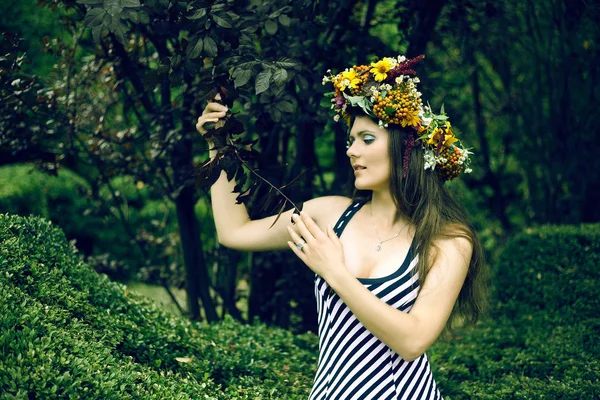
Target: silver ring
x,y
300,245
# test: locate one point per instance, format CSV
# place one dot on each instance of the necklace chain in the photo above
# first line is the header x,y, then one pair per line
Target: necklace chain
x,y
381,242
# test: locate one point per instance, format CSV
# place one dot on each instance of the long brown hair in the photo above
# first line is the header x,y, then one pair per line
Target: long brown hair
x,y
422,198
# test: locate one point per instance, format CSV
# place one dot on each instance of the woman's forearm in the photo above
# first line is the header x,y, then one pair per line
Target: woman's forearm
x,y
399,330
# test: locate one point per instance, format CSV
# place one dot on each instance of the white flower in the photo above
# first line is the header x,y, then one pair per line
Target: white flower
x,y
429,157
326,79
381,123
416,80
329,71
401,58
468,170
336,117
373,99
399,79
425,121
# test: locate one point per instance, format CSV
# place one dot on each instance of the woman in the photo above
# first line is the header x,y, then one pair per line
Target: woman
x,y
377,314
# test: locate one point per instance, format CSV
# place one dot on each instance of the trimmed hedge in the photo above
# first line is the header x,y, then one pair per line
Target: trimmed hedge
x,y
66,331
541,341
69,331
553,269
24,190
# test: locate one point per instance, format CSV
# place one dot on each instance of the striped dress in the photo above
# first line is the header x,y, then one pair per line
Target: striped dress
x,y
354,363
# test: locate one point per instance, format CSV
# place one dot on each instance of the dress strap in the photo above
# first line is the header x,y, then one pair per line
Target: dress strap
x,y
347,216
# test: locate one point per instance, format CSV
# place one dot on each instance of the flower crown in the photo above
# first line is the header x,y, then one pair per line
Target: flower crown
x,y
387,90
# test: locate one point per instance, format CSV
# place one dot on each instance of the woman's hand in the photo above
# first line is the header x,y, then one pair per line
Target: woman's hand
x,y
323,252
212,113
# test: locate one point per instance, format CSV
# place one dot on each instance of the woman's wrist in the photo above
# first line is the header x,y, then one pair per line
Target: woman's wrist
x,y
337,276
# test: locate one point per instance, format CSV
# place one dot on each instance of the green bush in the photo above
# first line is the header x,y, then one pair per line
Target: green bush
x,y
541,340
26,191
552,268
66,331
69,331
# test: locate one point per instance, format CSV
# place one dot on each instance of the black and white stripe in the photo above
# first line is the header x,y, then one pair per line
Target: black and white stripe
x,y
353,363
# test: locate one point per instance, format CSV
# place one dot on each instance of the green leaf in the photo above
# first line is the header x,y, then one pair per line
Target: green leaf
x,y
131,3
143,17
194,47
389,110
275,114
301,82
285,20
287,63
90,2
113,7
198,14
280,77
262,81
325,102
97,33
94,17
221,21
120,31
285,106
241,78
132,15
210,47
271,27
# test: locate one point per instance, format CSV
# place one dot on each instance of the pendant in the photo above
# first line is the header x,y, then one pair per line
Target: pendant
x,y
378,248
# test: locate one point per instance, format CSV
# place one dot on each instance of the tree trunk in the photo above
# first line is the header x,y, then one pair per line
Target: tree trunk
x,y
498,202
195,267
427,12
226,279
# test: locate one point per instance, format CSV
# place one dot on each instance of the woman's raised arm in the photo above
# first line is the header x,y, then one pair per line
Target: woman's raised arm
x,y
235,229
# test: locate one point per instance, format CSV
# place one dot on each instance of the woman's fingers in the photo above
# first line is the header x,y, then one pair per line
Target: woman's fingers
x,y
212,116
312,227
214,107
302,228
297,239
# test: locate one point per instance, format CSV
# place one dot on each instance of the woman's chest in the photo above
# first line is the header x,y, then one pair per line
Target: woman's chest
x,y
366,256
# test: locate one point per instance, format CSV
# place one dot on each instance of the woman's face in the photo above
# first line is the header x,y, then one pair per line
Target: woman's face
x,y
369,155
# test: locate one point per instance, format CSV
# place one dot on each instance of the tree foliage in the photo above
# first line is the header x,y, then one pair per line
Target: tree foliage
x,y
518,79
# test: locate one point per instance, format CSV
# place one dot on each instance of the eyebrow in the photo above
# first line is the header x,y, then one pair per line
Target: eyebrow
x,y
362,133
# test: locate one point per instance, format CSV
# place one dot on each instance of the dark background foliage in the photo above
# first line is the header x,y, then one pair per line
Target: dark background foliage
x,y
104,94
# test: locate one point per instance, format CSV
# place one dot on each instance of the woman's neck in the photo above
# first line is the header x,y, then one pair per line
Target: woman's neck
x,y
384,212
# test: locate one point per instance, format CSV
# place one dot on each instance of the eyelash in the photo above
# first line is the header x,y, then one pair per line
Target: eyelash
x,y
368,139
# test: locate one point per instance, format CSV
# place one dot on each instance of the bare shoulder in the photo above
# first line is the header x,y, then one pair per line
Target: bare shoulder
x,y
327,209
455,249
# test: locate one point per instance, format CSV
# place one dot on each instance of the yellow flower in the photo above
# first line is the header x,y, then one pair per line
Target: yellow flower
x,y
381,68
349,78
448,137
410,120
435,136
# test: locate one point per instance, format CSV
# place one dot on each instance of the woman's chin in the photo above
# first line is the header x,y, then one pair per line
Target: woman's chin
x,y
361,185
